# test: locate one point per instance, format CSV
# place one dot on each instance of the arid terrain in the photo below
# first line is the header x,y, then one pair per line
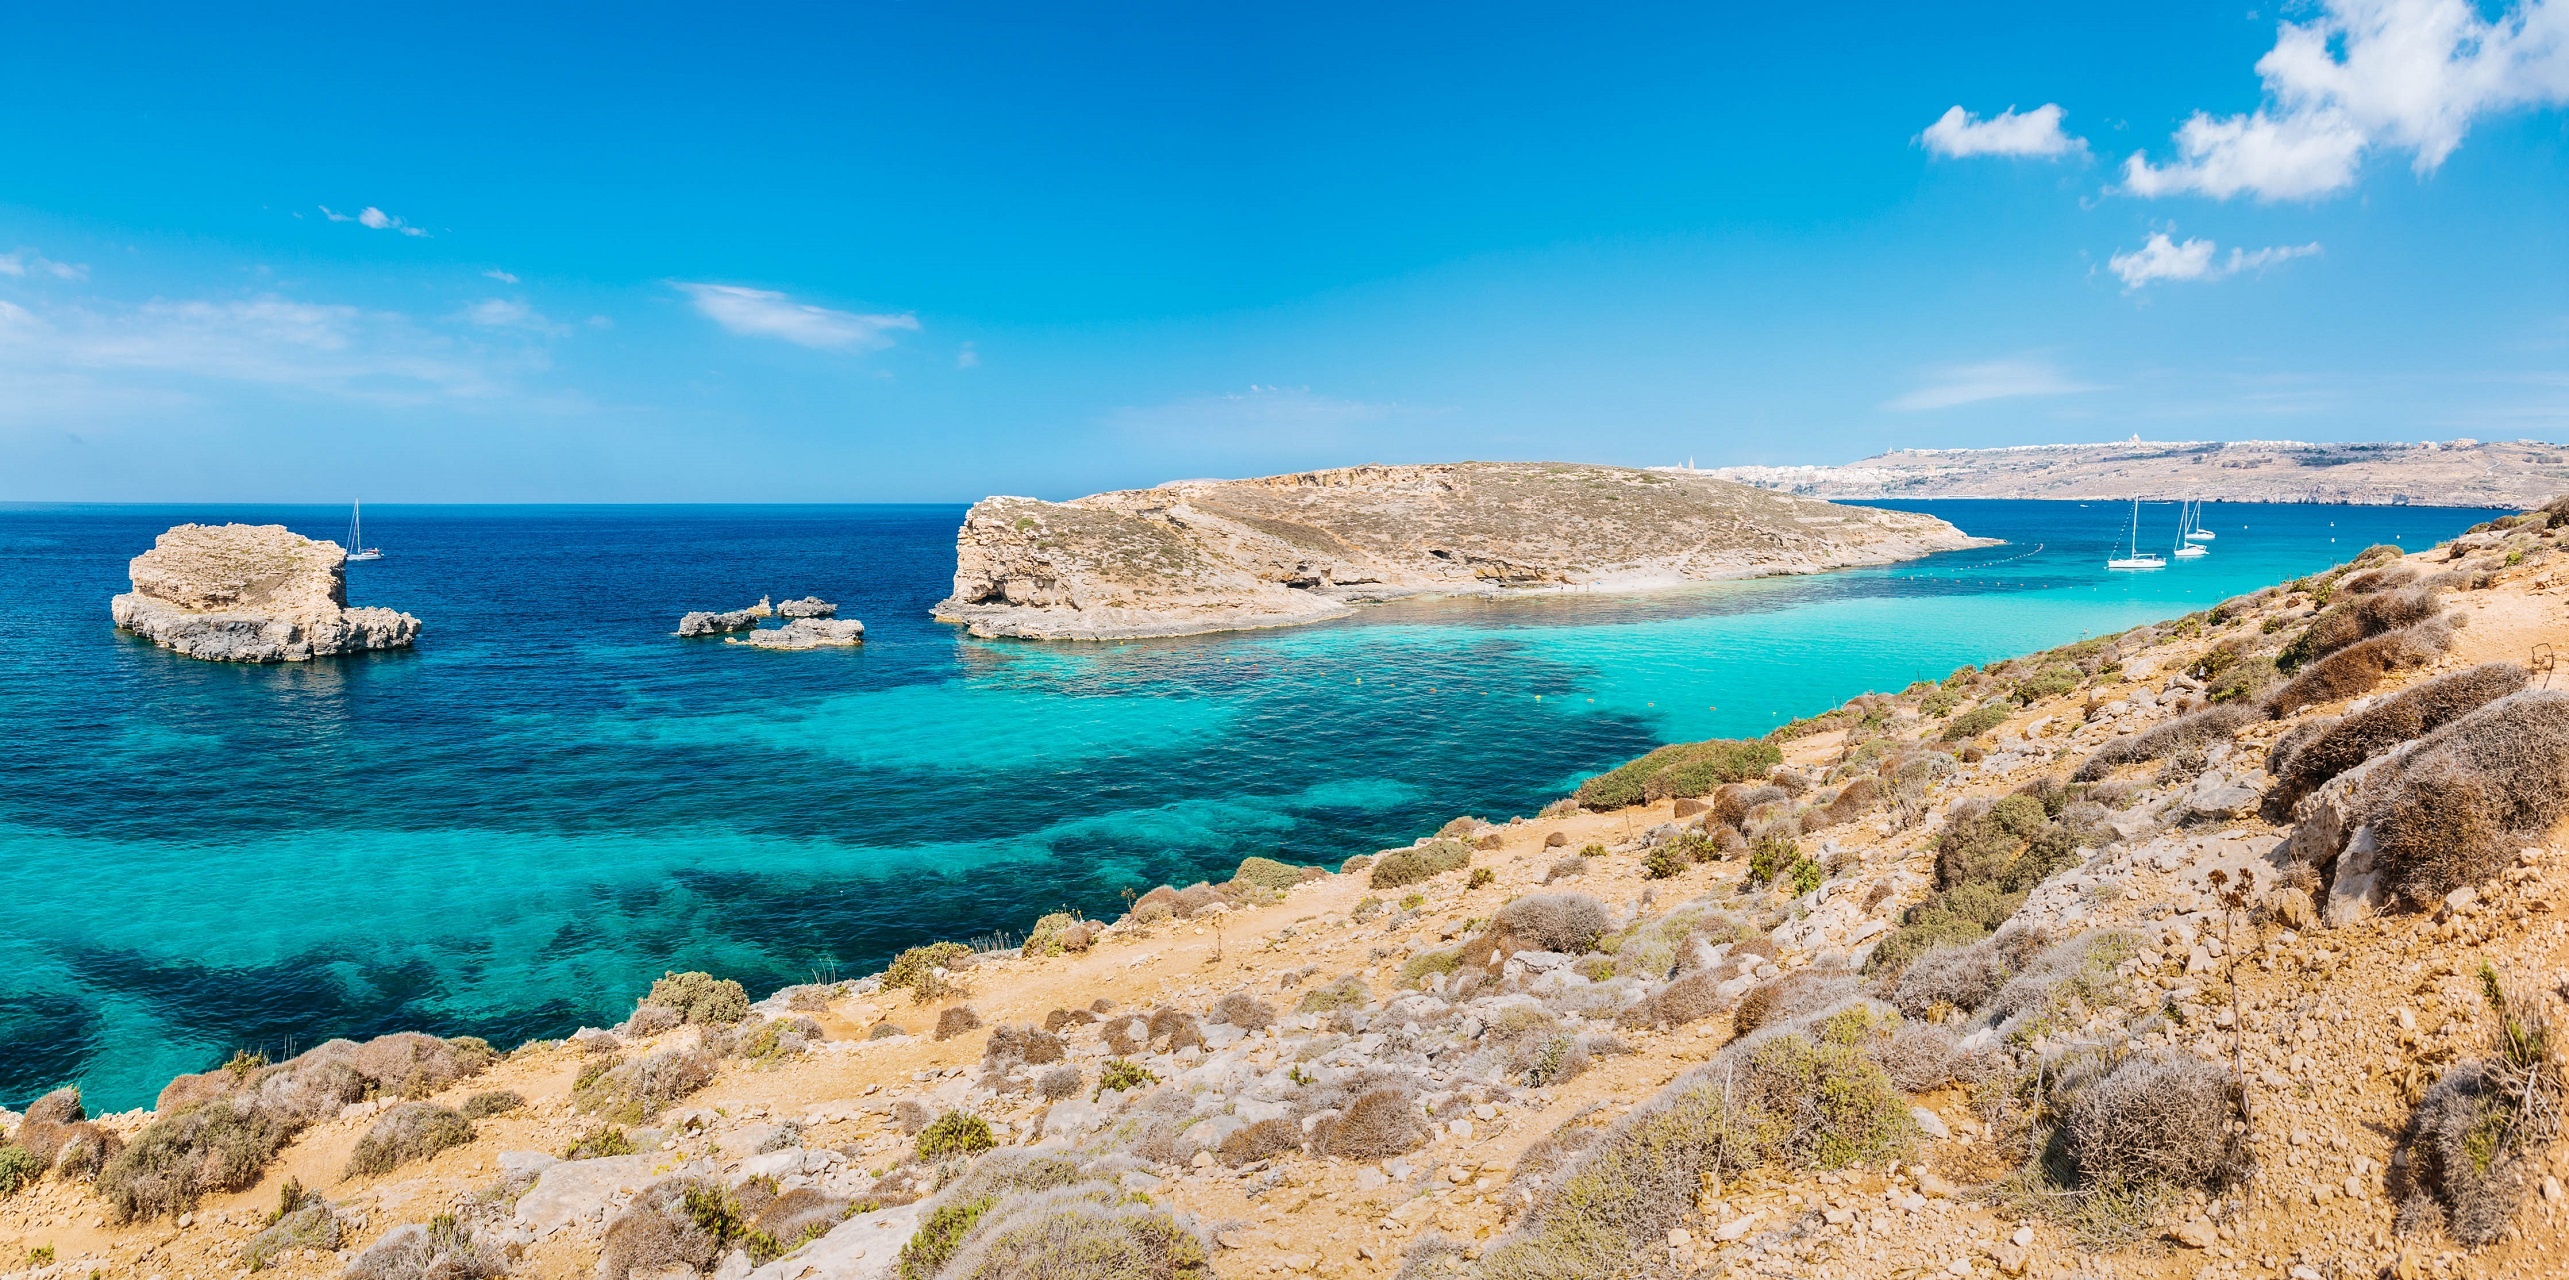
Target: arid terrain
x,y
2231,946
2453,473
1221,555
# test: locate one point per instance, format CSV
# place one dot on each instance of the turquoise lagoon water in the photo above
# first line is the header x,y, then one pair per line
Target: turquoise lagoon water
x,y
511,830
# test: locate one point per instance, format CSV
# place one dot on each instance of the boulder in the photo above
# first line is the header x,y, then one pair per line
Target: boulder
x,y
251,593
808,633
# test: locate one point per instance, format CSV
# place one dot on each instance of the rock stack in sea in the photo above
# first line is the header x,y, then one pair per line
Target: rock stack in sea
x,y
813,623
706,623
251,593
806,633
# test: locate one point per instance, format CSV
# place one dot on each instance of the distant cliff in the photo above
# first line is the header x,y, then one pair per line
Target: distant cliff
x,y
251,593
1221,555
2452,473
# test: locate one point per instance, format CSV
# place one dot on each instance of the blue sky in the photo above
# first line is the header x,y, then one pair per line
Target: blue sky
x,y
927,252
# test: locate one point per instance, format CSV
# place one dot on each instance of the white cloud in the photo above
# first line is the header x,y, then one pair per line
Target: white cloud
x,y
501,276
1995,380
967,357
2365,75
2164,258
21,263
509,313
2033,133
373,218
763,313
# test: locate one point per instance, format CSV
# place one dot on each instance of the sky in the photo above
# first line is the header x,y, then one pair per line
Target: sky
x,y
928,252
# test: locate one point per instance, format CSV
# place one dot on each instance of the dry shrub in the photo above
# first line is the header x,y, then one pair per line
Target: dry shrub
x,y
411,1131
1261,1140
1026,1044
178,1160
2302,761
497,1102
1380,1122
2158,1118
1060,933
1688,998
1347,992
1242,1010
1564,868
2473,792
1060,1018
1396,868
2389,577
1853,801
2359,667
2359,617
635,1091
312,1224
2476,1141
2200,729
700,998
1566,922
921,964
1267,873
439,1250
56,1134
1733,804
1952,977
1085,1232
1171,1029
650,1020
1624,1190
1059,1083
1920,1056
954,1020
1681,769
677,1221
911,1115
1786,998
407,1064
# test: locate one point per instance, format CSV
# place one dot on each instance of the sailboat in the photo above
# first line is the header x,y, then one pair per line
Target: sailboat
x,y
2187,547
2195,532
2139,559
357,548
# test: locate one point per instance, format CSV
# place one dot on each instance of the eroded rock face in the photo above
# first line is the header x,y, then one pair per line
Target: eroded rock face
x,y
1222,555
251,593
807,633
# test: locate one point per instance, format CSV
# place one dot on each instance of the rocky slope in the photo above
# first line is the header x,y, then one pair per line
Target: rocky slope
x,y
251,593
1219,555
2141,957
2455,473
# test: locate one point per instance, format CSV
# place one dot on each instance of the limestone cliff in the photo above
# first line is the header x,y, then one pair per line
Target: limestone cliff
x,y
251,593
1221,555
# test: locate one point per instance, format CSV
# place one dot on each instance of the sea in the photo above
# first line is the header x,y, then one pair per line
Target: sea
x,y
510,830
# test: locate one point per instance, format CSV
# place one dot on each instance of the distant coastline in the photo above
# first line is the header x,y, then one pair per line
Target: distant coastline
x,y
2451,473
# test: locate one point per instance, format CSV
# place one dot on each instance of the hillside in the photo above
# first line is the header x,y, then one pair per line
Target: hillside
x,y
2455,473
2145,956
1220,555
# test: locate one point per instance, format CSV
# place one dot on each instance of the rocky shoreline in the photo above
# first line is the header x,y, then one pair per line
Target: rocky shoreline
x,y
1201,556
2226,913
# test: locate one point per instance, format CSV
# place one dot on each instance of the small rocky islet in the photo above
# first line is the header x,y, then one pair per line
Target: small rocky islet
x,y
2219,948
810,623
251,593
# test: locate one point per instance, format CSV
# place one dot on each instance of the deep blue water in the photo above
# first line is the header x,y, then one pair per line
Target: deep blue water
x,y
510,830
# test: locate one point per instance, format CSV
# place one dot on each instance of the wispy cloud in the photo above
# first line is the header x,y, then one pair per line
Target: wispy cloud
x,y
967,357
2033,133
501,276
21,263
1261,410
1964,384
763,313
2406,75
2163,257
374,219
509,313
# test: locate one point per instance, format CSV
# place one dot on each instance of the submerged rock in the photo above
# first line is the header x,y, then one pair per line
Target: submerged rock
x,y
251,593
807,633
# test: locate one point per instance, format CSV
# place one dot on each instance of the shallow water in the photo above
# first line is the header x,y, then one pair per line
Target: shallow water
x,y
511,830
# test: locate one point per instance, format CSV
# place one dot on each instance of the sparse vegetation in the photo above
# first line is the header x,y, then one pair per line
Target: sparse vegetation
x,y
2476,1140
1682,769
956,1133
1397,868
411,1131
178,1160
599,1142
2185,733
1975,722
2466,798
700,998
1119,1073
631,1092
1267,873
497,1102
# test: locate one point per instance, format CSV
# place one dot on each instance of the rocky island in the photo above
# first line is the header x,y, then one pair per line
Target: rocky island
x,y
1222,555
2439,473
251,593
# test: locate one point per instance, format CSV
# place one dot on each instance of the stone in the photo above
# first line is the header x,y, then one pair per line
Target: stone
x,y
2222,798
1737,1227
2290,907
1221,555
2023,1239
1930,1124
251,593
807,607
2196,1233
866,1246
1934,1185
807,633
2011,1259
2358,892
573,1189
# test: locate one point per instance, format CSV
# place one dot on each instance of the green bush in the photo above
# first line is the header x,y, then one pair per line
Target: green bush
x,y
1418,967
1120,1074
700,998
1045,938
1806,875
1480,878
940,1235
920,963
1346,993
956,1133
1398,867
1267,873
1771,856
177,1160
2050,682
18,1168
597,1143
1973,723
1682,769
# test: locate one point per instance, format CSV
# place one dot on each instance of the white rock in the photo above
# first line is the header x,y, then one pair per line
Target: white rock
x,y
1930,1123
865,1247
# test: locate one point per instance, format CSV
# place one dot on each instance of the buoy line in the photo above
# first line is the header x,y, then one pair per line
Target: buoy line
x,y
2038,550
